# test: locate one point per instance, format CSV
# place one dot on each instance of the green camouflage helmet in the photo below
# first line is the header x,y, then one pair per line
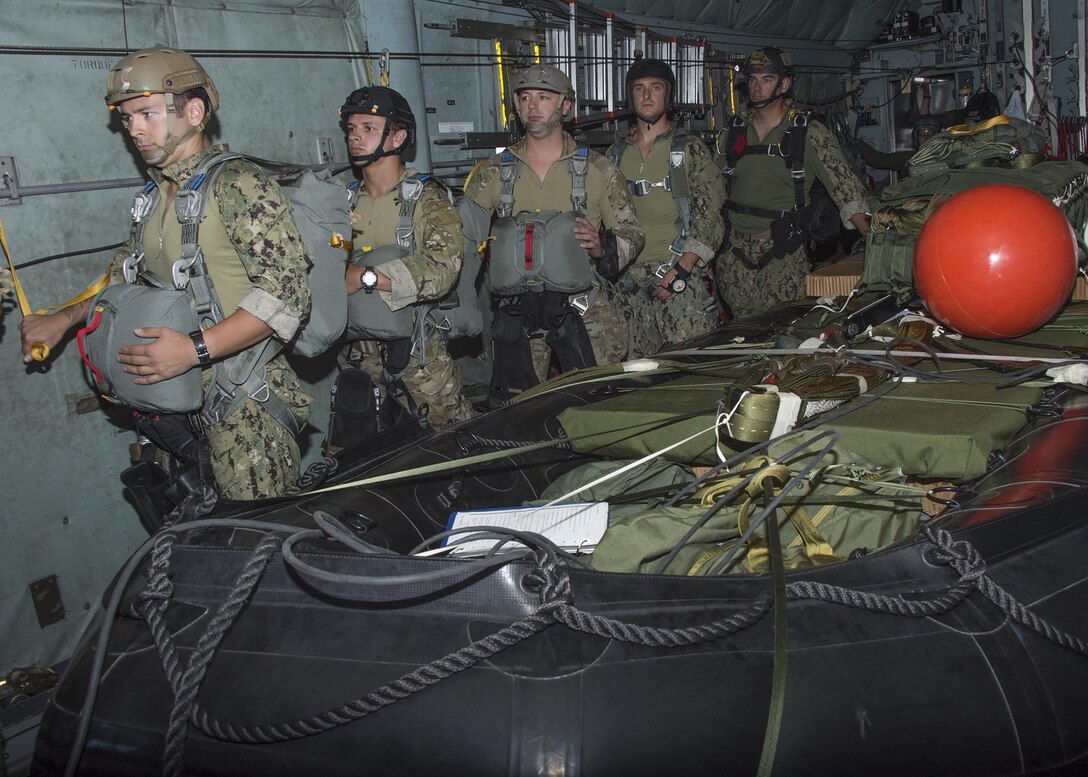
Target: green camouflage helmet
x,y
158,70
548,78
768,59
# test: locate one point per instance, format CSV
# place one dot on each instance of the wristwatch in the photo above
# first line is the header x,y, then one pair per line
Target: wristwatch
x,y
679,282
202,356
369,279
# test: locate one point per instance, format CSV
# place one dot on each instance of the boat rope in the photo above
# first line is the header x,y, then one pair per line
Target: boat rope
x,y
551,583
316,474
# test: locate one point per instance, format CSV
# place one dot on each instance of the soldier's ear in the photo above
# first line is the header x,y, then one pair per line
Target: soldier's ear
x,y
194,111
566,107
785,84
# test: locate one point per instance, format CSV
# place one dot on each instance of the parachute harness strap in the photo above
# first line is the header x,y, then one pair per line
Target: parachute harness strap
x,y
551,583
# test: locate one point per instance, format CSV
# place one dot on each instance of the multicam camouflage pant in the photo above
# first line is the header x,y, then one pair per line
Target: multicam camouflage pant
x,y
607,332
253,455
749,291
437,381
655,323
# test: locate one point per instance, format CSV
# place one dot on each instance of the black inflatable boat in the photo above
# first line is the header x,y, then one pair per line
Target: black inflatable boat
x,y
892,583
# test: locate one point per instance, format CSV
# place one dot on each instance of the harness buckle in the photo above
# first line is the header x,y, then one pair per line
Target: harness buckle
x,y
676,159
262,393
210,413
664,267
580,303
188,205
404,236
130,268
410,190
798,174
141,206
181,272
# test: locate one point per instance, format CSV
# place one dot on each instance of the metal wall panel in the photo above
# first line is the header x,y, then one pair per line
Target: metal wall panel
x,y
63,512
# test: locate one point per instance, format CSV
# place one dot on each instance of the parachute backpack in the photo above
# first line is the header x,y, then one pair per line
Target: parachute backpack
x,y
321,216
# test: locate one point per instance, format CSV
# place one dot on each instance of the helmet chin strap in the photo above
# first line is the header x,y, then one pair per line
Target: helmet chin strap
x,y
775,94
172,140
365,160
540,130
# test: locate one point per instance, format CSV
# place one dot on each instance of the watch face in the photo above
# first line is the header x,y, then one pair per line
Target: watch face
x,y
368,280
677,285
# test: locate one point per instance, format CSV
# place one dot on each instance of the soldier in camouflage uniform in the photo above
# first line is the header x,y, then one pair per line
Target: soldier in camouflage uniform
x,y
609,232
379,126
752,276
663,297
253,252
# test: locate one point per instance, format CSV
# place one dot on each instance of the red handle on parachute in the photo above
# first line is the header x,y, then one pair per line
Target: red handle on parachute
x,y
83,349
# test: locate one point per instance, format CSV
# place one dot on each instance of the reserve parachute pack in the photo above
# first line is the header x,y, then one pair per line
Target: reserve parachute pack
x,y
455,315
537,251
187,301
816,220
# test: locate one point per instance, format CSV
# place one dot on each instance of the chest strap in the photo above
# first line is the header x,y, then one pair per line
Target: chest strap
x,y
675,182
791,148
510,171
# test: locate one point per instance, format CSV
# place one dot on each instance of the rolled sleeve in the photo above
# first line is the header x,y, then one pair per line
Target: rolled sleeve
x,y
404,291
280,318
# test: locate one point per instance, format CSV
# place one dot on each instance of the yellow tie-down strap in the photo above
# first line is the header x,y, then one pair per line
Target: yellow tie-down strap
x,y
40,351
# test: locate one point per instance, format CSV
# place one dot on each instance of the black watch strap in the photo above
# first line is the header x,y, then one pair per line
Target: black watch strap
x,y
681,272
202,355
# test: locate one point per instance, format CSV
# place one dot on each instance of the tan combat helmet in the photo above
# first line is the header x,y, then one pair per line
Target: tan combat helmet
x,y
158,70
548,78
161,70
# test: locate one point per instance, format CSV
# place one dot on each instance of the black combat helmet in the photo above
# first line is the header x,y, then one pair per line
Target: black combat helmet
x,y
381,101
768,59
651,68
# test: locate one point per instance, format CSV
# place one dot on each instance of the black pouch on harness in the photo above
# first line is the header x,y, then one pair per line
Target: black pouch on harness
x,y
819,220
184,492
786,235
361,409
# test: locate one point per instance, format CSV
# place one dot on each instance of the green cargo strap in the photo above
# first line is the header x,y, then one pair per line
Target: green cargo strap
x,y
510,170
777,705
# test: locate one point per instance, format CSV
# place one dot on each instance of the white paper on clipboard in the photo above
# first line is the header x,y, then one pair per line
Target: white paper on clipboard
x,y
573,527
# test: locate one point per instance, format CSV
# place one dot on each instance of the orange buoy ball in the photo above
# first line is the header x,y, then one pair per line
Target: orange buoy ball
x,y
995,261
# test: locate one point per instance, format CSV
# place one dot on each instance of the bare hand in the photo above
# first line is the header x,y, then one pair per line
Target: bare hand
x,y
169,354
661,290
588,237
47,330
